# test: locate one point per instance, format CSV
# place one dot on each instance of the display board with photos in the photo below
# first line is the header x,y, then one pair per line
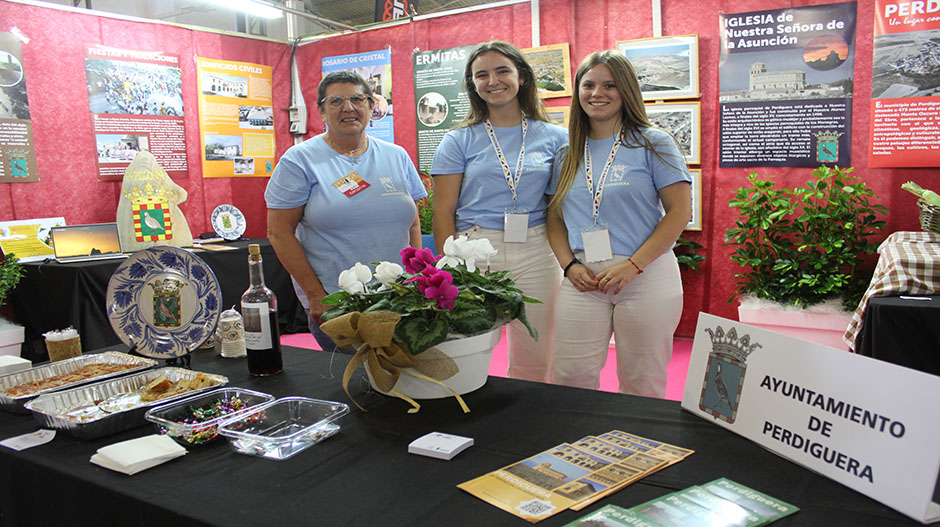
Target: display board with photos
x,y
559,115
667,67
684,121
695,224
552,67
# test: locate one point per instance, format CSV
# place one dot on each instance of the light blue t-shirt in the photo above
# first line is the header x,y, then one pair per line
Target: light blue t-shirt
x,y
630,205
338,230
484,193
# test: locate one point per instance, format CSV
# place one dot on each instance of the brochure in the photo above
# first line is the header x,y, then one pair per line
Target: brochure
x,y
572,475
696,507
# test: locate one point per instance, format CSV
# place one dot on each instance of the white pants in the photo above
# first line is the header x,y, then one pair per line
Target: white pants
x,y
643,318
536,272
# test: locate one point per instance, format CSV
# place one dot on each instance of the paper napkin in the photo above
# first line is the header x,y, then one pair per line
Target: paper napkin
x,y
135,455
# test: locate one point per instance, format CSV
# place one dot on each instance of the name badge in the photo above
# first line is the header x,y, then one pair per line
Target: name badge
x,y
351,184
515,225
596,240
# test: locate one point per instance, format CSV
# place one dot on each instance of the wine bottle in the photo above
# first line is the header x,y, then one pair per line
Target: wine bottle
x,y
259,309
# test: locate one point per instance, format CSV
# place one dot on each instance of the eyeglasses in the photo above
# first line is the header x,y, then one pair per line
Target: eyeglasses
x,y
337,101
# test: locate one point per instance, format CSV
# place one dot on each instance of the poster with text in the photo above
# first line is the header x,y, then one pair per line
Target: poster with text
x,y
440,100
17,157
236,118
786,82
905,85
136,103
375,67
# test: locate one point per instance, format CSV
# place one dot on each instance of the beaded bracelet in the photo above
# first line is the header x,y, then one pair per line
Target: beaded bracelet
x,y
638,270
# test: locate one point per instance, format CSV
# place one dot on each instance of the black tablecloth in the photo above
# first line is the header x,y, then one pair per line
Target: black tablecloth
x,y
902,331
363,476
54,296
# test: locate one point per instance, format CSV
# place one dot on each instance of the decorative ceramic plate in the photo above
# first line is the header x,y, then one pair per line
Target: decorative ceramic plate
x,y
228,222
165,301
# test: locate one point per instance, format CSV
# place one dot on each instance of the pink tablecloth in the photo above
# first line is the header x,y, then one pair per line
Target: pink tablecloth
x,y
909,264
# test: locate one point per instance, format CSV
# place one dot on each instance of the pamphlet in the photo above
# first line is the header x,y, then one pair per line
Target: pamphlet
x,y
573,475
720,503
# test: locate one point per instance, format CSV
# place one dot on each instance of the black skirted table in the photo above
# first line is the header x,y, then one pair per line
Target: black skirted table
x,y
364,476
903,331
54,296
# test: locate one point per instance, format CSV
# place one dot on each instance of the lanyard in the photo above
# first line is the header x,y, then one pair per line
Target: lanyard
x,y
589,174
513,182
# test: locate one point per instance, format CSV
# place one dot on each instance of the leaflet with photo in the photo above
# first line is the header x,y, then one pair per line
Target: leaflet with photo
x,y
566,475
695,507
613,516
762,505
726,509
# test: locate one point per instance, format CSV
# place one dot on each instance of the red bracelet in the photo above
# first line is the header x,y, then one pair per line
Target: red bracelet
x,y
638,270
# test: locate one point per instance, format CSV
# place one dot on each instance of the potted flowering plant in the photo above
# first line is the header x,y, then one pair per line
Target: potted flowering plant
x,y
438,297
432,318
11,335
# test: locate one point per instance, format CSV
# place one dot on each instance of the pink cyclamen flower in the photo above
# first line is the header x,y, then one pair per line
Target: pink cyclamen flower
x,y
438,287
417,260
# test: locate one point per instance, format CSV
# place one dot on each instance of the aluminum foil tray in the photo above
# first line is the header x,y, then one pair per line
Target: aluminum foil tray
x,y
107,407
46,371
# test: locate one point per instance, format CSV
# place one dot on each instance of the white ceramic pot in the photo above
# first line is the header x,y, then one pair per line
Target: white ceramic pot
x,y
822,328
472,355
11,340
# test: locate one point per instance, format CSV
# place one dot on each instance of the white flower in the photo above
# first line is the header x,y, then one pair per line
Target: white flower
x,y
477,250
450,250
387,272
354,279
463,250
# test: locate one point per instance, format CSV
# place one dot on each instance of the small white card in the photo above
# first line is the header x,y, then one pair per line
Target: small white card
x,y
440,446
596,243
515,226
39,437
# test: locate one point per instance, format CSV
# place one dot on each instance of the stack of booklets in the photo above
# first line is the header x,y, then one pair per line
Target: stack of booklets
x,y
573,475
719,503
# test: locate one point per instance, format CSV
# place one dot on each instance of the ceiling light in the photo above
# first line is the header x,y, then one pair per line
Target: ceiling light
x,y
251,7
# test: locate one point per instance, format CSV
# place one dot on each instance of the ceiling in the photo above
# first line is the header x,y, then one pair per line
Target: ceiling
x,y
344,13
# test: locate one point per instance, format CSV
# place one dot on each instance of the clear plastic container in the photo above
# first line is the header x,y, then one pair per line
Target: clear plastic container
x,y
195,421
280,429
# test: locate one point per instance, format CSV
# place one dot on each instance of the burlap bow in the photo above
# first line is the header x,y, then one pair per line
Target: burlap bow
x,y
371,335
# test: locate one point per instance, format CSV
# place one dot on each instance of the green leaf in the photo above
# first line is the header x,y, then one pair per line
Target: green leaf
x,y
419,334
471,318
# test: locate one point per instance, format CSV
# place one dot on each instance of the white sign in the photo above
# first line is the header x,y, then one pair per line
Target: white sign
x,y
870,425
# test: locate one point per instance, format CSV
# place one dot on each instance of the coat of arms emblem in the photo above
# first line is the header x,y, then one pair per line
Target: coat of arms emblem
x,y
150,209
827,146
724,374
167,311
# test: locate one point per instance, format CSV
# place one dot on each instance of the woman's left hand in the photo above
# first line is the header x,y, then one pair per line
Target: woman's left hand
x,y
616,277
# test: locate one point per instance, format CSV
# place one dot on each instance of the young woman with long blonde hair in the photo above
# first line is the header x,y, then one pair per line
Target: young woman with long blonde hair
x,y
622,196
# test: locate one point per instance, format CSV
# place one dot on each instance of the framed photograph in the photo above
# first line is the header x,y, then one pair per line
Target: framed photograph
x,y
558,115
695,224
684,121
552,67
667,67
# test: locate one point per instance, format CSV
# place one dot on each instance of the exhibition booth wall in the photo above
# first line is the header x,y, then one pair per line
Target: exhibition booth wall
x,y
65,144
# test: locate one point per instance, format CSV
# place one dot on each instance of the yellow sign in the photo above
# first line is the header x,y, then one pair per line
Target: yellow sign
x,y
29,240
236,118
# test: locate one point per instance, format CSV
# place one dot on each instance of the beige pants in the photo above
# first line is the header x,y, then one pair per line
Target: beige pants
x,y
642,318
536,272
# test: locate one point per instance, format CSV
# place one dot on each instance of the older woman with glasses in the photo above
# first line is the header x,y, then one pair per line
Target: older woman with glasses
x,y
341,197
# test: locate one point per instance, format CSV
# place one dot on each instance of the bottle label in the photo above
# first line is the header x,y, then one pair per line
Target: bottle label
x,y
257,325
